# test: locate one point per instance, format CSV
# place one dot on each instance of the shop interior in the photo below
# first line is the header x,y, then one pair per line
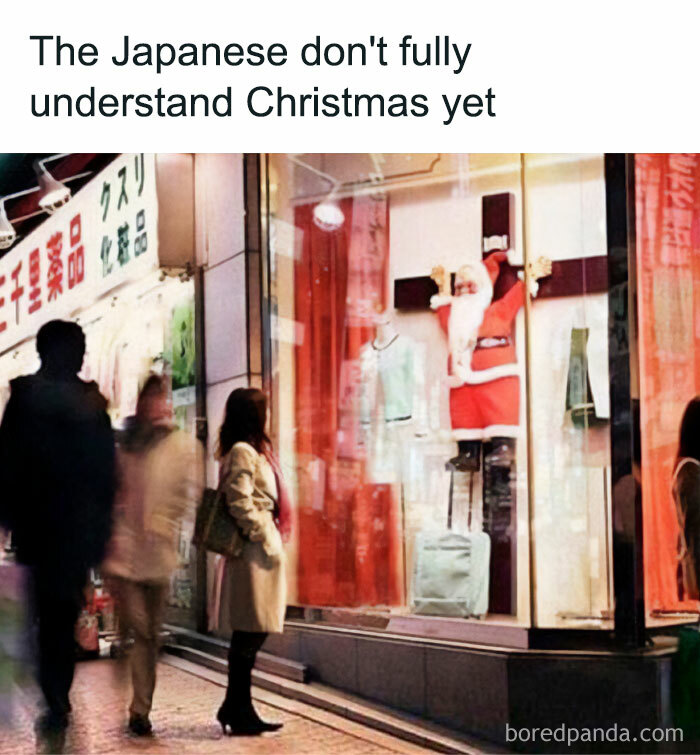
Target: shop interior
x,y
382,449
146,326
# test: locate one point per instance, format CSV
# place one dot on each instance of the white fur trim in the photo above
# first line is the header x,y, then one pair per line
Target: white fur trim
x,y
440,300
466,433
507,431
482,433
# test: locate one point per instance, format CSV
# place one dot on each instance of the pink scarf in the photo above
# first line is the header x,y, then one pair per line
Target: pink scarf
x,y
283,510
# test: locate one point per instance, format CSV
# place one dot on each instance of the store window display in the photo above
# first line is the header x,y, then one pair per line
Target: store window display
x,y
403,346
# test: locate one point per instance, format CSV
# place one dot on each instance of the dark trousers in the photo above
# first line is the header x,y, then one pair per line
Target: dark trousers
x,y
57,599
241,659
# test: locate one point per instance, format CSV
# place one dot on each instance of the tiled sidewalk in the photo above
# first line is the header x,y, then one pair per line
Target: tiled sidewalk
x,y
183,719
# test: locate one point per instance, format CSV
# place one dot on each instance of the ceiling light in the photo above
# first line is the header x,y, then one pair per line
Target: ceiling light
x,y
7,232
53,194
328,216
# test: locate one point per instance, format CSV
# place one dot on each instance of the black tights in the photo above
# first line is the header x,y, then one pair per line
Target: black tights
x,y
241,659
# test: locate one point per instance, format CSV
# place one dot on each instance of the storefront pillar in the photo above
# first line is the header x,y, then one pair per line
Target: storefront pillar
x,y
221,284
628,568
258,331
200,567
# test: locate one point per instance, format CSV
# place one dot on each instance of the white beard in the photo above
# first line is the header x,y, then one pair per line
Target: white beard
x,y
466,316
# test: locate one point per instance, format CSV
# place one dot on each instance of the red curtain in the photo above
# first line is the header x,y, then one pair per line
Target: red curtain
x,y
668,268
349,534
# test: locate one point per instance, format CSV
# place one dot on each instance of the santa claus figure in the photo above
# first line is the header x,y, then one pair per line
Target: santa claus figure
x,y
483,371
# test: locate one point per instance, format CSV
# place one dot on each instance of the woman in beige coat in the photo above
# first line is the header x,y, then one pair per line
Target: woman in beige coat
x,y
253,597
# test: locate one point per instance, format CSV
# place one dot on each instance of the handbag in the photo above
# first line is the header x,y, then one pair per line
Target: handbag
x,y
214,528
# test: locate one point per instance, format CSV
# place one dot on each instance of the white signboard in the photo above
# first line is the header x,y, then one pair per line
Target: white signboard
x,y
103,237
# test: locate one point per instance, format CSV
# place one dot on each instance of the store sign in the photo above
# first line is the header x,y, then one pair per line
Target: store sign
x,y
105,236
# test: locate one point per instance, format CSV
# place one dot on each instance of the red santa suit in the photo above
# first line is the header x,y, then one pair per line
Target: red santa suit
x,y
490,408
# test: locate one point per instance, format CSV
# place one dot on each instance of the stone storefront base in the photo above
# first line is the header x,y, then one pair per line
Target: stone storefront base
x,y
483,690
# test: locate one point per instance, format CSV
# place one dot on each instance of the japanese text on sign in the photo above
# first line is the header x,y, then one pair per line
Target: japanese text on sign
x,y
105,236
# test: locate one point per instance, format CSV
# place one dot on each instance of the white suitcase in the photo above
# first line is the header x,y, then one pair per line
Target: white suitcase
x,y
451,571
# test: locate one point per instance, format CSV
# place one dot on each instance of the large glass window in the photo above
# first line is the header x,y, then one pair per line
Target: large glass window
x,y
416,301
569,397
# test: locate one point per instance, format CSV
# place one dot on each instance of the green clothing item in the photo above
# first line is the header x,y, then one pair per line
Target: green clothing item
x,y
388,380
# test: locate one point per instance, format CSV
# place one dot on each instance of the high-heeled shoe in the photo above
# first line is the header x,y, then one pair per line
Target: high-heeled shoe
x,y
246,724
265,725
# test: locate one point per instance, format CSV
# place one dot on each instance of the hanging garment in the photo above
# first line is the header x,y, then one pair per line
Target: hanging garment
x,y
579,396
596,315
388,376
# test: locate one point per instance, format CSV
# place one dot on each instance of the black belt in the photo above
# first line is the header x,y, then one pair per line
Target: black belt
x,y
492,342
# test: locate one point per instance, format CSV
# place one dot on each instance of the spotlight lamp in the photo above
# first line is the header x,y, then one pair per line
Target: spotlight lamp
x,y
52,193
328,216
7,232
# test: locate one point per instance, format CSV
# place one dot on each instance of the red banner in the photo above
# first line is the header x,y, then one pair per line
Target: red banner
x,y
349,528
668,269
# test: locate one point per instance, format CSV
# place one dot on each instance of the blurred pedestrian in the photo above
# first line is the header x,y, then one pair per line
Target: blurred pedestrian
x,y
159,470
686,493
57,462
253,586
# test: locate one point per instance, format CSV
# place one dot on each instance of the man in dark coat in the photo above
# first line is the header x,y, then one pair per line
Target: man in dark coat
x,y
57,457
